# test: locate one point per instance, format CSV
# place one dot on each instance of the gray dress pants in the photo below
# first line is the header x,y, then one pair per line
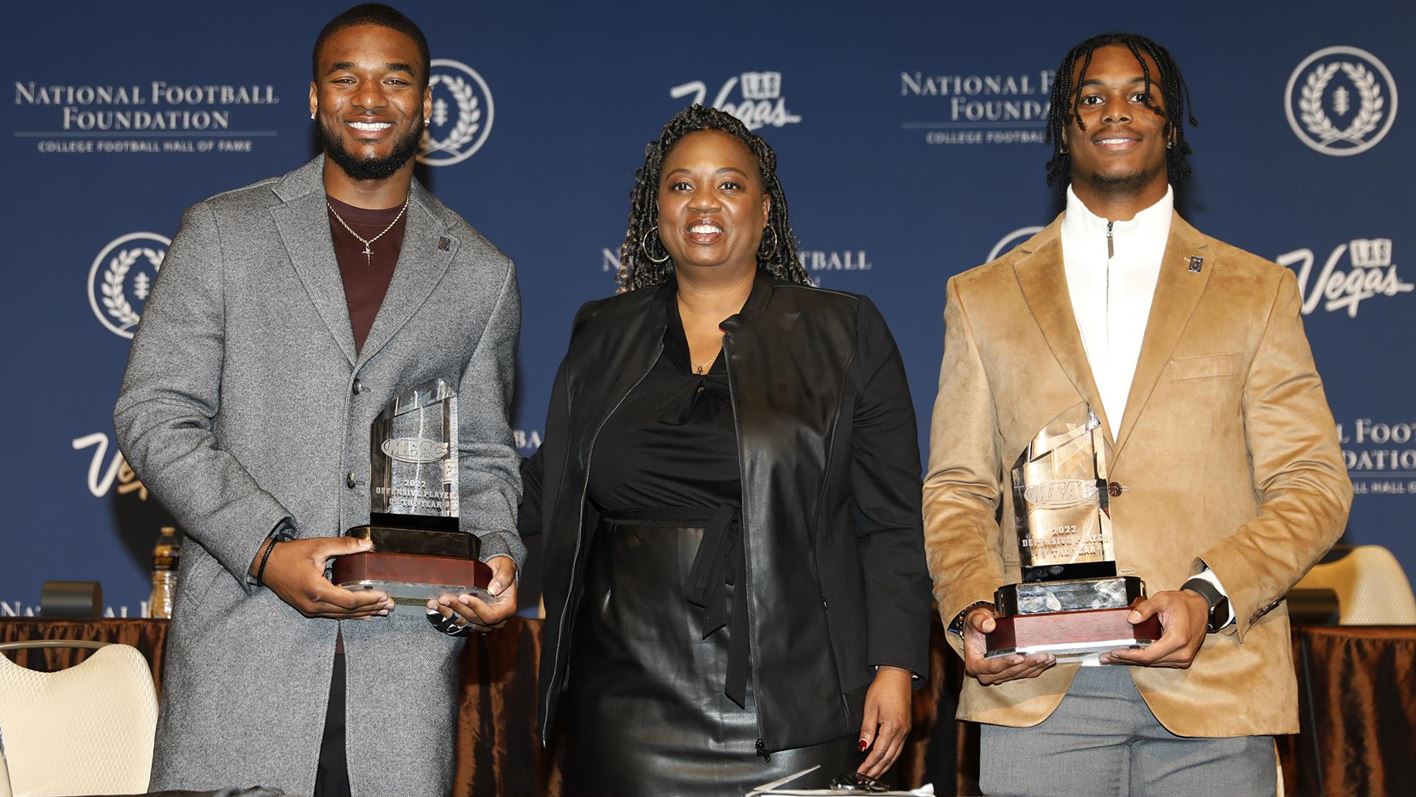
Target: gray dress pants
x,y
1103,740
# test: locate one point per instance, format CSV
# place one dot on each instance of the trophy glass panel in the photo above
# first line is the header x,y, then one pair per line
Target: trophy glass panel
x,y
413,459
1061,501
418,549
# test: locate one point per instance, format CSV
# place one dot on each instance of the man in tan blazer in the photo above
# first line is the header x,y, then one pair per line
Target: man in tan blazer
x,y
1228,482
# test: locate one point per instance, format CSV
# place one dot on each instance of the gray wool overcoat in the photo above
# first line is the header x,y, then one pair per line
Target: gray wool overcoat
x,y
245,402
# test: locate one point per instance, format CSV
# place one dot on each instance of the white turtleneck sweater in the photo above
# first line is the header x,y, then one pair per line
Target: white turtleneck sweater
x,y
1112,268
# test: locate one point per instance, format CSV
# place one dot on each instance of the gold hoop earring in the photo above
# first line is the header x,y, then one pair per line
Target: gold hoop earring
x,y
767,256
644,247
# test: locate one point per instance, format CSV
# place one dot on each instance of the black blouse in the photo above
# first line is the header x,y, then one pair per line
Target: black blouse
x,y
670,452
672,443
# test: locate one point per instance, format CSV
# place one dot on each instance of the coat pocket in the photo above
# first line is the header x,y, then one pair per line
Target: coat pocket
x,y
1206,366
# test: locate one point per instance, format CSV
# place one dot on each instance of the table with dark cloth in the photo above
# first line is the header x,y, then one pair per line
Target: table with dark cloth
x,y
1357,703
1357,698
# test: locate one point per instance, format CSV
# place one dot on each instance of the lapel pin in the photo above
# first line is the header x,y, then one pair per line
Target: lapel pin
x,y
445,244
1196,263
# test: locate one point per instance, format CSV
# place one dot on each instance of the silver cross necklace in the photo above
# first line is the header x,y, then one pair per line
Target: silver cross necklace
x,y
368,252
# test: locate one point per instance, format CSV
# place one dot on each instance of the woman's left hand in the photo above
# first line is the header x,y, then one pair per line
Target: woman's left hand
x,y
887,720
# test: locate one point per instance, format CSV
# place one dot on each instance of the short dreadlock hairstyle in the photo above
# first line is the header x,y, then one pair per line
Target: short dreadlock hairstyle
x,y
381,16
637,267
1066,94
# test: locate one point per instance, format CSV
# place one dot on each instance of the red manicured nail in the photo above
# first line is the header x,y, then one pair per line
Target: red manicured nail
x,y
863,744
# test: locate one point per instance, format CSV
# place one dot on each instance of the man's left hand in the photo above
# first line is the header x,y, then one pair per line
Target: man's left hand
x,y
1184,618
480,614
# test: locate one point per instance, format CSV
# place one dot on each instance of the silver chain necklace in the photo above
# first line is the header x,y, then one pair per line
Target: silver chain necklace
x,y
368,253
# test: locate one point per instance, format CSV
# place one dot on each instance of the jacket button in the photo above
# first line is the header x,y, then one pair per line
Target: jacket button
x,y
1114,489
350,480
358,387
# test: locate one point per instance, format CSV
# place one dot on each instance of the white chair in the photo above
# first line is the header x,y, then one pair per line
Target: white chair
x,y
1371,587
84,730
4,774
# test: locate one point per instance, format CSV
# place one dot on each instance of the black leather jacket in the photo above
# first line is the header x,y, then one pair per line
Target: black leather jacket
x,y
830,495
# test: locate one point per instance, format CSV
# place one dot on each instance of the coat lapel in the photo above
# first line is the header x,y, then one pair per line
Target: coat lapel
x,y
1043,280
1181,283
614,360
303,222
421,265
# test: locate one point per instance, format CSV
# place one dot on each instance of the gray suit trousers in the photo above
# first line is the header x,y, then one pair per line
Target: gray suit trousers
x,y
1104,740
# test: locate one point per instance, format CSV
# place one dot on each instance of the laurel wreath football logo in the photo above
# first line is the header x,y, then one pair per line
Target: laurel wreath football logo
x,y
462,114
1341,101
121,278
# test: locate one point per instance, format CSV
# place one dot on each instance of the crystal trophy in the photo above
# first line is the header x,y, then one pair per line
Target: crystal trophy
x,y
418,549
1071,602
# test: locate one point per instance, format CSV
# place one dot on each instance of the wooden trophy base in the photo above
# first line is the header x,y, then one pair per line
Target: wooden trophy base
x,y
411,579
1070,635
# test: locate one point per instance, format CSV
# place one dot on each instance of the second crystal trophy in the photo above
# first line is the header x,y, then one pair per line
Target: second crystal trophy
x,y
418,550
1071,602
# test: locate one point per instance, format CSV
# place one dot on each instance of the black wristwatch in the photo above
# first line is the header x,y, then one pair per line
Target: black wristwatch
x,y
284,531
1218,603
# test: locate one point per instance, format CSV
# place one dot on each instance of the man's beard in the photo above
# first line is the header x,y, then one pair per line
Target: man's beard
x,y
1124,184
371,168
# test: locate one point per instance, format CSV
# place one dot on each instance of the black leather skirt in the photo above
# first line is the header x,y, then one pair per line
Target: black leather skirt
x,y
644,710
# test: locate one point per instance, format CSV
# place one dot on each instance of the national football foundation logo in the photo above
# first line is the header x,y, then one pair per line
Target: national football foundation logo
x,y
122,277
462,114
1341,101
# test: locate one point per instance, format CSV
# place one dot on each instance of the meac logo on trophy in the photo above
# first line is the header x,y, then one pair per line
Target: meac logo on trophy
x,y
121,278
1341,101
1060,493
462,114
414,450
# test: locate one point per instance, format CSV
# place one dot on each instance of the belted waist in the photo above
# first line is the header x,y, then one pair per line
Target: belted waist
x,y
718,563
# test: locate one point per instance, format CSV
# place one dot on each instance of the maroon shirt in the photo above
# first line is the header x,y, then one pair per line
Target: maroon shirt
x,y
366,279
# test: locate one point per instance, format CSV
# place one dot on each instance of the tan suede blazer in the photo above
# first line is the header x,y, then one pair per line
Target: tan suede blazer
x,y
1227,452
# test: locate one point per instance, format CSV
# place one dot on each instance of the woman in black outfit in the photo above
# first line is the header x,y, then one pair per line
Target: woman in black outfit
x,y
729,489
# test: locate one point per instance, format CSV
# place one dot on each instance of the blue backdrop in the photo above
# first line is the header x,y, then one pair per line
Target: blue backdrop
x,y
908,135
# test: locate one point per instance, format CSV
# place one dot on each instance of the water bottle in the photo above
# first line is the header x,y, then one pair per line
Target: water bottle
x,y
165,555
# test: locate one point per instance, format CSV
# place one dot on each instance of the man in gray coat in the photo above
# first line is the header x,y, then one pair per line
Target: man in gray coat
x,y
286,315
